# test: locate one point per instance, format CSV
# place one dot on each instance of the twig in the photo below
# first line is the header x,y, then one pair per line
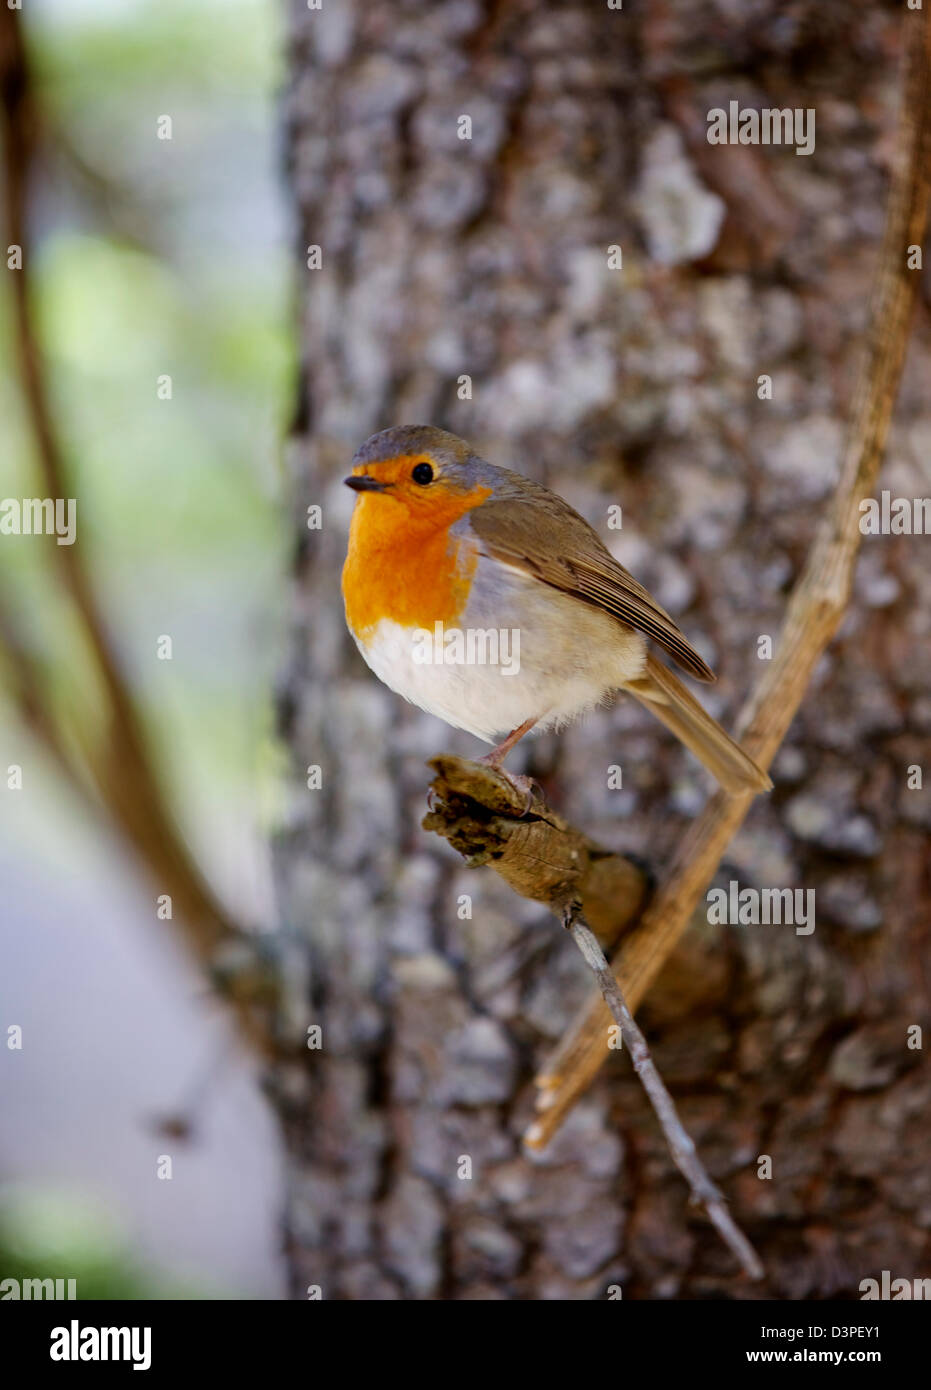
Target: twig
x,y
815,608
24,681
681,1146
544,858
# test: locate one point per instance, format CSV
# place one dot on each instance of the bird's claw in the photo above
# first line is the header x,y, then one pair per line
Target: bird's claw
x,y
525,785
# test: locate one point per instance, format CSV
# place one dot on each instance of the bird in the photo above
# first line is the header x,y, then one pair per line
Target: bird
x,y
454,565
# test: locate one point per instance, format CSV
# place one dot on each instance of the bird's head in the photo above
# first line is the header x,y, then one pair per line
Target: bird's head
x,y
424,469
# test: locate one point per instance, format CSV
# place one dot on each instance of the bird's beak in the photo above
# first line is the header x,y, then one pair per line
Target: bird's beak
x,y
364,482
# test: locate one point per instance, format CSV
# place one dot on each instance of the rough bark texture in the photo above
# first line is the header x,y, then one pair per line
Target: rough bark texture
x,y
635,387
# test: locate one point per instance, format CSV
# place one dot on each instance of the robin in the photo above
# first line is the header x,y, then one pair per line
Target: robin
x,y
454,562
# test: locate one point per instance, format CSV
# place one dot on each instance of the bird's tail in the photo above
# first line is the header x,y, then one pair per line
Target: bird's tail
x,y
664,695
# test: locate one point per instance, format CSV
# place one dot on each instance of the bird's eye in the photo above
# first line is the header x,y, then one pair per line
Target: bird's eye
x,y
422,473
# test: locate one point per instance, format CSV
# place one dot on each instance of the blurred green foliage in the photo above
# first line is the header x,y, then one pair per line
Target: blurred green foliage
x,y
53,1236
155,257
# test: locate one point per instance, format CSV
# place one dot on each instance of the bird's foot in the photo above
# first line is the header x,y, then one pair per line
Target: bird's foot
x,y
526,786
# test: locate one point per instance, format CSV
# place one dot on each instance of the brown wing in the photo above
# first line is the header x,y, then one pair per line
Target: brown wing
x,y
537,531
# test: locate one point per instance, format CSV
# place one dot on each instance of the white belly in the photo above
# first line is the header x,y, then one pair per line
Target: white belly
x,y
560,657
475,695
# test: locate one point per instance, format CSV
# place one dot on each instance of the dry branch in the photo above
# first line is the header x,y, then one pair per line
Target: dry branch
x,y
538,853
681,1146
544,858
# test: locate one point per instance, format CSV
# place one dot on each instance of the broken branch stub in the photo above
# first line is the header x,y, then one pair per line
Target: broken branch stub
x,y
539,854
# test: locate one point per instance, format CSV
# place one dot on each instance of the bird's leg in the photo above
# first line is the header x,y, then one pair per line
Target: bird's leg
x,y
497,756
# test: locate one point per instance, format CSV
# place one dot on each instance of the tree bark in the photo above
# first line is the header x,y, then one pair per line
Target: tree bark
x,y
437,989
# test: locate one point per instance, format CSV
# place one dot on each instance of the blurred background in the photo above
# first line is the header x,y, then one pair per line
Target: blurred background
x,y
148,257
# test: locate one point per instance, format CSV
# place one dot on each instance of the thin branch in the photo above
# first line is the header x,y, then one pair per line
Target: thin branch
x,y
544,858
815,608
681,1146
27,687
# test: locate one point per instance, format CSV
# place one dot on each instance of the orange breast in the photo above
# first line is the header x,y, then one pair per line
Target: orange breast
x,y
407,567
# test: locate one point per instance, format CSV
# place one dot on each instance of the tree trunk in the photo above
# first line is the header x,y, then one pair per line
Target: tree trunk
x,y
438,991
